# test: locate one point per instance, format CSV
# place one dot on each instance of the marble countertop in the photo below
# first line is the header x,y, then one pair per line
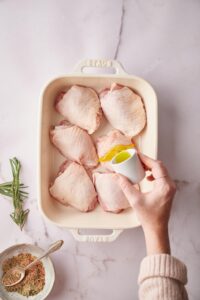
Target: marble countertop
x,y
157,40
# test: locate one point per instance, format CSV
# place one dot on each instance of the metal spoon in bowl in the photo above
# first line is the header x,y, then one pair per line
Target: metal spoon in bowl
x,y
16,274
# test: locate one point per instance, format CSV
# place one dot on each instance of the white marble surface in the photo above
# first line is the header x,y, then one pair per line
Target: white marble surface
x,y
158,40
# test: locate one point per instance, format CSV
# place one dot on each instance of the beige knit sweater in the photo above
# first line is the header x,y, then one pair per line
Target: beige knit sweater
x,y
162,277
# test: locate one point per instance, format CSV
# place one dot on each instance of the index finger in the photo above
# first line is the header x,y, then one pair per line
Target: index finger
x,y
156,166
147,161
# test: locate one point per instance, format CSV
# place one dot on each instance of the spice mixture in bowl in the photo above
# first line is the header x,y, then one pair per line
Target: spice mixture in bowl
x,y
38,280
34,279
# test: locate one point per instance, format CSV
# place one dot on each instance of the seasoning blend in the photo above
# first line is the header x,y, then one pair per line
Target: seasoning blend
x,y
33,282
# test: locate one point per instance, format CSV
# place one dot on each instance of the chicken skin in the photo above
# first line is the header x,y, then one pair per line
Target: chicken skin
x,y
110,194
107,142
74,187
74,143
123,109
81,107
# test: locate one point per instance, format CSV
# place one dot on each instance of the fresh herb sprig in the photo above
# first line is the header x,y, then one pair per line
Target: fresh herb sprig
x,y
15,190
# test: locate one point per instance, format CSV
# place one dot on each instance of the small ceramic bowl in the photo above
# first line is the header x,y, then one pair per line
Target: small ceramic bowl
x,y
48,266
128,164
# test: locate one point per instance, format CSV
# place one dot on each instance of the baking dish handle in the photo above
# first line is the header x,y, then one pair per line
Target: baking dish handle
x,y
99,63
96,238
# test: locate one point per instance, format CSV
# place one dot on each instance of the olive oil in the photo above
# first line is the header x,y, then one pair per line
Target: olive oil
x,y
113,151
122,156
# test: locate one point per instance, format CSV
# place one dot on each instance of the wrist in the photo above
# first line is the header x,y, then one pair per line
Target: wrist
x,y
157,241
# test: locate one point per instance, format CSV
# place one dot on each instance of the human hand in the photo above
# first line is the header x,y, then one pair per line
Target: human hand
x,y
153,208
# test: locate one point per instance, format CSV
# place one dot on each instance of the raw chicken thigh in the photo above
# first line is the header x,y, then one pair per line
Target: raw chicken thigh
x,y
74,187
107,142
74,143
80,106
123,109
110,194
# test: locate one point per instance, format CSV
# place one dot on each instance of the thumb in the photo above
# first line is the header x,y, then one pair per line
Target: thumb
x,y
131,193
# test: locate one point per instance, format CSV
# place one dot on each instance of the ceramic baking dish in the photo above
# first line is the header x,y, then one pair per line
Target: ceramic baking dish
x,y
50,159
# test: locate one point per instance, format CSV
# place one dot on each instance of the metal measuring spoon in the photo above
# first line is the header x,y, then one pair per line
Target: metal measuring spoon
x,y
16,274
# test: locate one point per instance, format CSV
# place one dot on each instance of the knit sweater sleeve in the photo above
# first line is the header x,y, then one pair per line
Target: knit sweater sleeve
x,y
162,277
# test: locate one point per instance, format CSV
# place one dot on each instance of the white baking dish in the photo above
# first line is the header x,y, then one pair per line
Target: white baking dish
x,y
50,159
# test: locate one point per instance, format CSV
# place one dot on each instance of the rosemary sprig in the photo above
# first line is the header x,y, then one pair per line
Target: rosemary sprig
x,y
15,190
